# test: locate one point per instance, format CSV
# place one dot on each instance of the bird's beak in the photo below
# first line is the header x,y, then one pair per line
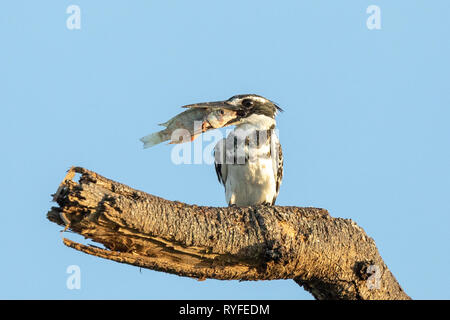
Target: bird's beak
x,y
212,105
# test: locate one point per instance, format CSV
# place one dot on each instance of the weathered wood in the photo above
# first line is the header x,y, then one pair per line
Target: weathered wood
x,y
332,258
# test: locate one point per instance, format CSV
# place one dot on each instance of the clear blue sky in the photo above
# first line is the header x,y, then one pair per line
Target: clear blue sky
x,y
365,130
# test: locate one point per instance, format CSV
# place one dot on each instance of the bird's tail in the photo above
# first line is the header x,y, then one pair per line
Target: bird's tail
x,y
154,139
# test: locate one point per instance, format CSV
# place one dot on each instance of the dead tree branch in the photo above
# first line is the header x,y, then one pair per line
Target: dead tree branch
x,y
332,258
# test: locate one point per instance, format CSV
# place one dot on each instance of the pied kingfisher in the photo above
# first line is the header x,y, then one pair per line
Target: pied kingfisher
x,y
249,162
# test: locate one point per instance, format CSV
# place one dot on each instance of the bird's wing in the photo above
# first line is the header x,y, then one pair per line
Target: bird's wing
x,y
277,164
219,161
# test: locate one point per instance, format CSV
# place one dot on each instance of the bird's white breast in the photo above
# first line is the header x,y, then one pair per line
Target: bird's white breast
x,y
252,182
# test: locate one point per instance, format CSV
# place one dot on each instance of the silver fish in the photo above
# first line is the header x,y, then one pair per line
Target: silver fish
x,y
194,121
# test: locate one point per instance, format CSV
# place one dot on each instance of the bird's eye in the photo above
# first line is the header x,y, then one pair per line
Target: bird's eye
x,y
247,103
221,112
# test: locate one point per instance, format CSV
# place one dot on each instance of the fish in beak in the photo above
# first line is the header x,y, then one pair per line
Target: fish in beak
x,y
219,114
211,115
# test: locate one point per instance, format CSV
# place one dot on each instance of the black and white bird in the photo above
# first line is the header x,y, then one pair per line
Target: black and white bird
x,y
249,161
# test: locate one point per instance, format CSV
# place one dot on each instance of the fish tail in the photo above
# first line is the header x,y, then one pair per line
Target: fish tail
x,y
153,139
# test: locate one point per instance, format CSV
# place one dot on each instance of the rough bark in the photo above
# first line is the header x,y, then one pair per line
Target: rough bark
x,y
332,258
